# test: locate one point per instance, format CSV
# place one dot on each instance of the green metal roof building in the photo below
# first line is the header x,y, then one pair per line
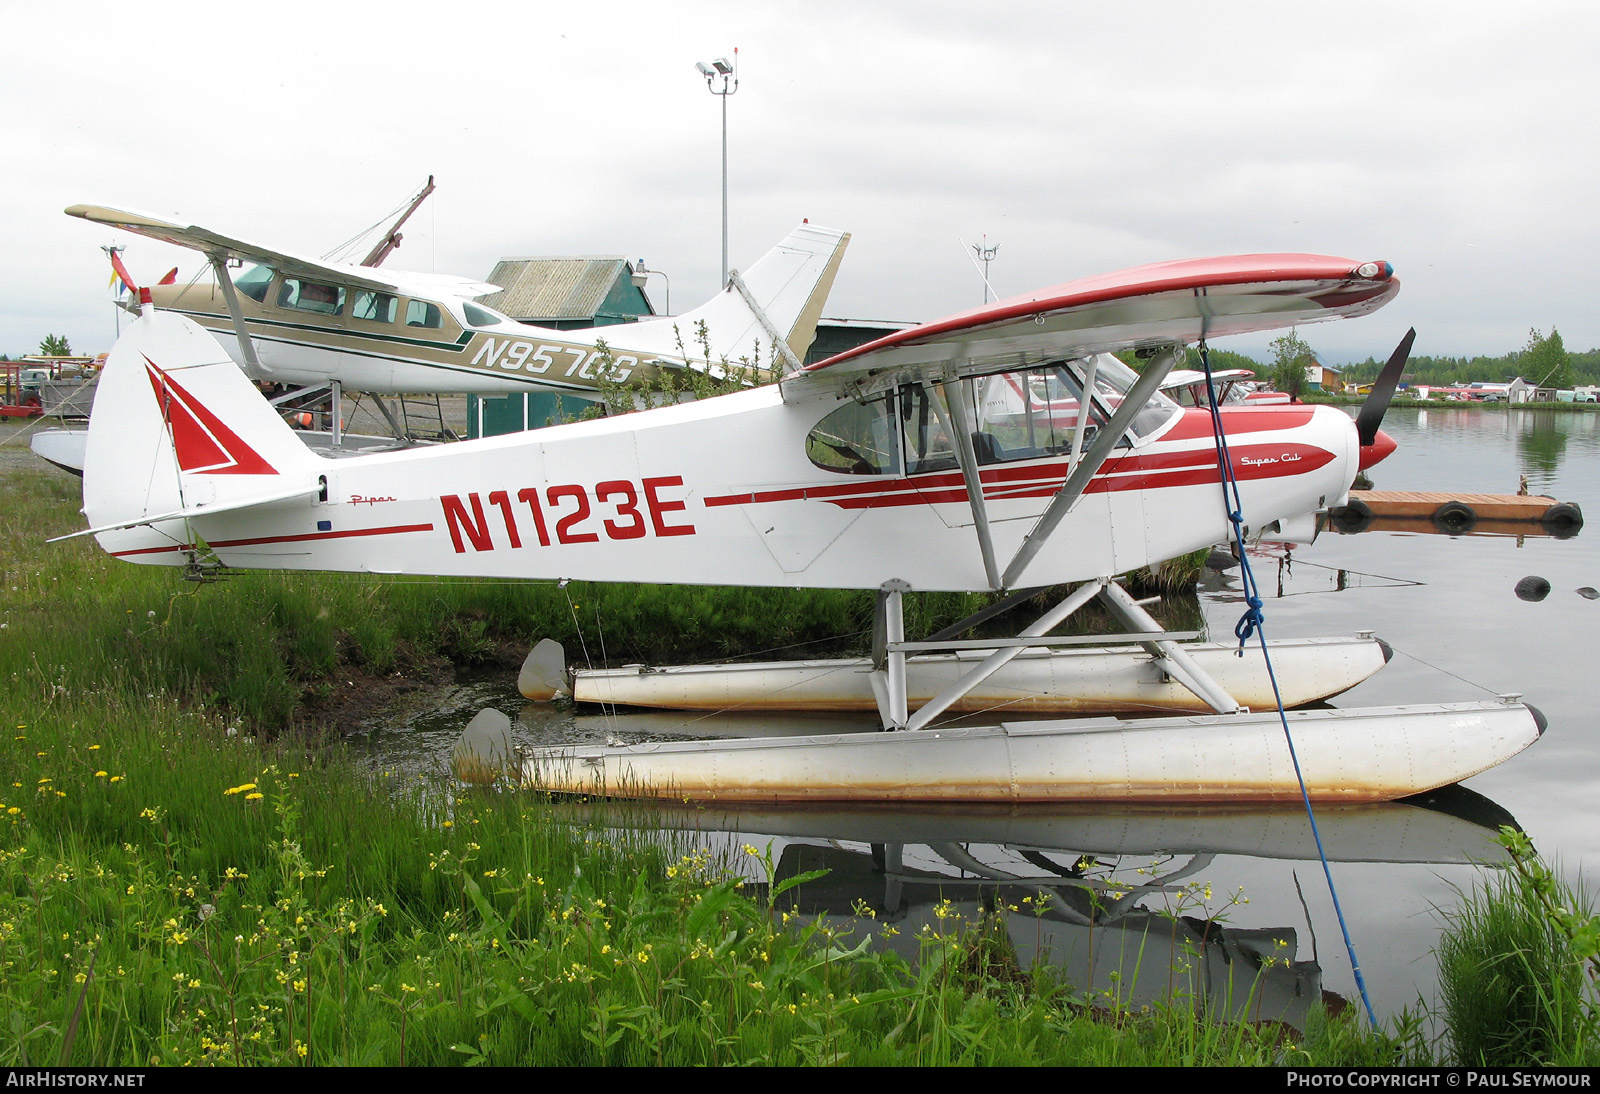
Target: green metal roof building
x,y
569,293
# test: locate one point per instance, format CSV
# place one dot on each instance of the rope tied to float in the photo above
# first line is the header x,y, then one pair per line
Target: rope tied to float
x,y
1251,624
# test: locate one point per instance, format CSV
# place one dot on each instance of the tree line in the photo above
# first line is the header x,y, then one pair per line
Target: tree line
x,y
1544,360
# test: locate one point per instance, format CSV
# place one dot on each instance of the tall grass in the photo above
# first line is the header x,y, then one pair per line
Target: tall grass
x,y
1516,969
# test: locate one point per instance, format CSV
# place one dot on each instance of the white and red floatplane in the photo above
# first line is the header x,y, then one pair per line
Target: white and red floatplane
x,y
998,450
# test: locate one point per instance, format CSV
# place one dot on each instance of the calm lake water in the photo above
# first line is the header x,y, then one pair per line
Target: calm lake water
x,y
1094,890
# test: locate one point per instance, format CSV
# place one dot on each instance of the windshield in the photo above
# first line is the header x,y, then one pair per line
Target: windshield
x,y
1112,381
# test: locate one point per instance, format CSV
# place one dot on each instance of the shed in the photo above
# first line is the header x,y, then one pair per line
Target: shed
x,y
569,293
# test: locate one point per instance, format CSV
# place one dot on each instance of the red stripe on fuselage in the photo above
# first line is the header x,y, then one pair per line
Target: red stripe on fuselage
x,y
1153,471
304,537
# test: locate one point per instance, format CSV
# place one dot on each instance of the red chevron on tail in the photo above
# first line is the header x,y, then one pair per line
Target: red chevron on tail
x,y
201,440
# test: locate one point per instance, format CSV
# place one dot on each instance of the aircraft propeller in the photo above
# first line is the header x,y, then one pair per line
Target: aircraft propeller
x,y
1376,444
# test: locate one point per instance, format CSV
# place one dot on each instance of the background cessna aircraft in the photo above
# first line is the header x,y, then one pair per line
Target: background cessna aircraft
x,y
387,331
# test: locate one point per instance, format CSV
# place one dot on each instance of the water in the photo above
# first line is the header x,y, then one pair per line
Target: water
x,y
1449,608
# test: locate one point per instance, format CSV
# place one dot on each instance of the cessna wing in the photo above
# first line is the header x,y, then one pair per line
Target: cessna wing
x,y
216,246
295,320
1162,304
1183,377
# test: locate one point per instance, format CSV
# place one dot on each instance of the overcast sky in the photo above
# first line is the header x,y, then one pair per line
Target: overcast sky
x,y
1457,140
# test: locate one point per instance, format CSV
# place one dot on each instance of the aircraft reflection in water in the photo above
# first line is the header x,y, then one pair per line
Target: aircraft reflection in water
x,y
1113,898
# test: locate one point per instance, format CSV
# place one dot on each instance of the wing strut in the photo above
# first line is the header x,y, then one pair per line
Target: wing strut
x,y
1133,401
246,346
955,424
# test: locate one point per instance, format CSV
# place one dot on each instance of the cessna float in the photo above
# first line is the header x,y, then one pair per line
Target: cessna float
x,y
999,450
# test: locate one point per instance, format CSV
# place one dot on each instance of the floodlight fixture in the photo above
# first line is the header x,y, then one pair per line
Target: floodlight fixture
x,y
724,68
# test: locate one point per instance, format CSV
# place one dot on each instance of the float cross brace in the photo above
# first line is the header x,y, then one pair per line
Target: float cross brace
x,y
890,648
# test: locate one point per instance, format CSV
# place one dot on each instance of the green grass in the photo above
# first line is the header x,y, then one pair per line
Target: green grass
x,y
1516,969
172,894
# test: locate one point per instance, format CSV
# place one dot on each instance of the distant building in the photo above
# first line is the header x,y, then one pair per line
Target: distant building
x,y
1319,377
835,336
569,293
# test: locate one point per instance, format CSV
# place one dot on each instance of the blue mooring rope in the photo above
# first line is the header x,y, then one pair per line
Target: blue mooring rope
x,y
1251,623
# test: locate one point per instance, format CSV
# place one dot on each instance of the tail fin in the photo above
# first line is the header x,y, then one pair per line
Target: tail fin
x,y
789,284
177,431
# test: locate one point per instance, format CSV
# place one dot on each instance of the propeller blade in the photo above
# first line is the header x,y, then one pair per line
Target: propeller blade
x,y
1372,411
122,272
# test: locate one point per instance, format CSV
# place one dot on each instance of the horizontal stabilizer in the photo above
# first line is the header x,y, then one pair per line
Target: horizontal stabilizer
x,y
195,511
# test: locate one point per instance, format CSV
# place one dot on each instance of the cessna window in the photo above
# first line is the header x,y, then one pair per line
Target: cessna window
x,y
253,283
482,317
420,313
856,439
313,296
377,307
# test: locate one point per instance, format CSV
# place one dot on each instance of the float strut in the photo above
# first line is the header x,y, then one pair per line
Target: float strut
x,y
1173,659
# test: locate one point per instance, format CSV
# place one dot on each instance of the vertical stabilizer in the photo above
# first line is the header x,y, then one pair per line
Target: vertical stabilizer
x,y
790,285
176,427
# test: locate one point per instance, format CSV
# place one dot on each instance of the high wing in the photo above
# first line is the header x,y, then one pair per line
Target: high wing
x,y
1161,304
215,245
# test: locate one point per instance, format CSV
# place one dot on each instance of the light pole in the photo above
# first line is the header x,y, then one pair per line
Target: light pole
x,y
722,69
985,255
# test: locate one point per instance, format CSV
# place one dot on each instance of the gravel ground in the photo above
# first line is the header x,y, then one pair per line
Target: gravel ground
x,y
14,451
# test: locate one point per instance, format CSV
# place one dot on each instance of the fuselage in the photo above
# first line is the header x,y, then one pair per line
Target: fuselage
x,y
813,490
308,332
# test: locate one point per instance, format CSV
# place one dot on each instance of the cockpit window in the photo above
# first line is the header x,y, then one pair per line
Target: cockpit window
x,y
253,283
856,439
420,313
1027,414
376,307
312,296
922,430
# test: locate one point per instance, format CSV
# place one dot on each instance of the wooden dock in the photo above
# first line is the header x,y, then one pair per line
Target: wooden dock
x,y
1456,514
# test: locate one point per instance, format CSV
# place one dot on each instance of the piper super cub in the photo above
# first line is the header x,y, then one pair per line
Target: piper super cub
x,y
999,449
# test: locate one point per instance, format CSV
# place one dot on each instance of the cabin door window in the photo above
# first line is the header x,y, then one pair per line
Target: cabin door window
x,y
312,296
420,313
